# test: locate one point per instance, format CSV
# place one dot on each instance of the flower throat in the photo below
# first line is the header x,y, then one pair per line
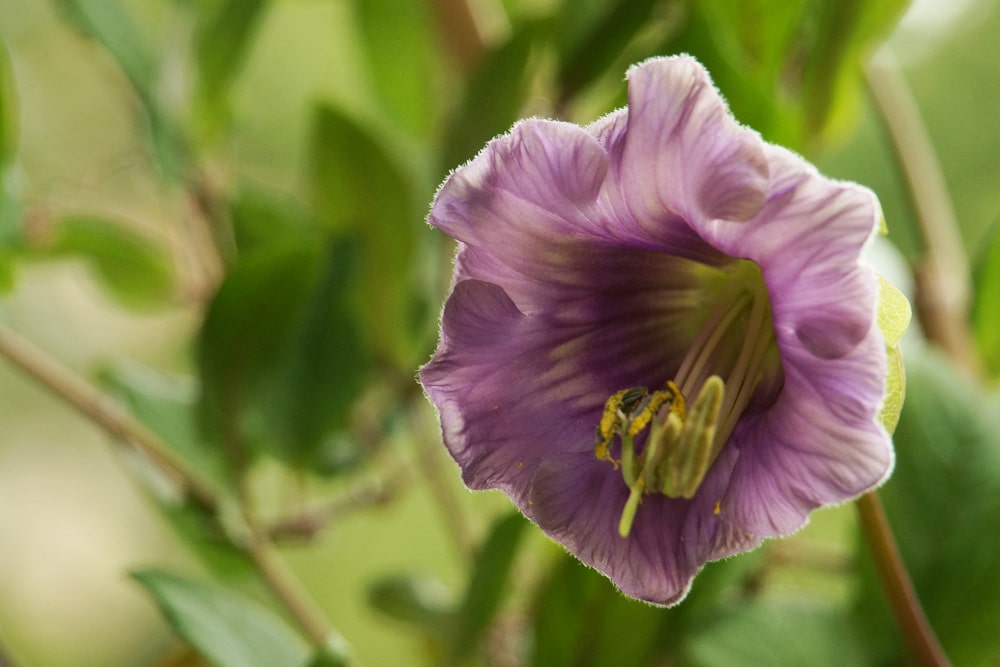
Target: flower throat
x,y
735,342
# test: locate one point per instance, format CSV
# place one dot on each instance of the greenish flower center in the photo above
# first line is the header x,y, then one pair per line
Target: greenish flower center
x,y
731,353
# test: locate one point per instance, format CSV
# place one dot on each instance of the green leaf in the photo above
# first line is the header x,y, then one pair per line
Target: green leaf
x,y
224,626
487,585
360,188
608,28
399,43
206,538
8,113
423,602
221,44
774,634
745,47
322,369
335,653
492,100
581,620
260,218
837,36
108,22
281,356
942,500
134,269
249,321
986,316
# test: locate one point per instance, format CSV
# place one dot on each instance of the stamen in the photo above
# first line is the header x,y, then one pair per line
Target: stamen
x,y
692,455
735,341
680,448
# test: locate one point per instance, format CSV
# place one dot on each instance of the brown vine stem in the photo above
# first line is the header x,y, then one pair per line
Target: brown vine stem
x,y
943,277
107,413
917,632
287,588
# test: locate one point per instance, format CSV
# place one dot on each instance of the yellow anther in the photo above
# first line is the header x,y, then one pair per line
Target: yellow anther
x,y
678,405
646,410
602,449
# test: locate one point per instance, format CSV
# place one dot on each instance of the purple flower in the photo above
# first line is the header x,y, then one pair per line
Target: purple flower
x,y
660,340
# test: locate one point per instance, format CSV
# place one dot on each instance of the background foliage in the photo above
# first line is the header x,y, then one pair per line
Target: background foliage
x,y
214,211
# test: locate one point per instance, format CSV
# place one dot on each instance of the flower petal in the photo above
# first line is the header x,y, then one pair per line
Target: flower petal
x,y
807,239
532,185
578,501
683,153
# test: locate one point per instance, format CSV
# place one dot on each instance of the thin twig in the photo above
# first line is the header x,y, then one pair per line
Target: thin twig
x,y
310,522
287,588
943,278
107,413
917,632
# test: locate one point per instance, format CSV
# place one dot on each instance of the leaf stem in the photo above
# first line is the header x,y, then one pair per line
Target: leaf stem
x,y
287,588
106,412
943,276
896,584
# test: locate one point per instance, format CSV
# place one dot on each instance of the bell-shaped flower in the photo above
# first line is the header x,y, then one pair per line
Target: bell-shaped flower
x,y
661,340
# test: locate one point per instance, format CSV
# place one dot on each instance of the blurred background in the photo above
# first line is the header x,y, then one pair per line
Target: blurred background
x,y
213,211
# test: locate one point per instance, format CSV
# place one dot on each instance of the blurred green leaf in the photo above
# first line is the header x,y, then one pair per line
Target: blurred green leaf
x,y
8,112
942,500
108,22
746,48
987,304
207,540
224,626
334,654
134,269
248,323
774,634
423,602
398,41
580,620
260,218
360,188
603,30
281,356
492,100
10,232
322,369
487,585
221,43
837,37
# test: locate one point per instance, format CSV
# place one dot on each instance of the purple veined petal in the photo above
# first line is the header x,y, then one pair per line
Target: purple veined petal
x,y
532,185
670,541
682,152
807,240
